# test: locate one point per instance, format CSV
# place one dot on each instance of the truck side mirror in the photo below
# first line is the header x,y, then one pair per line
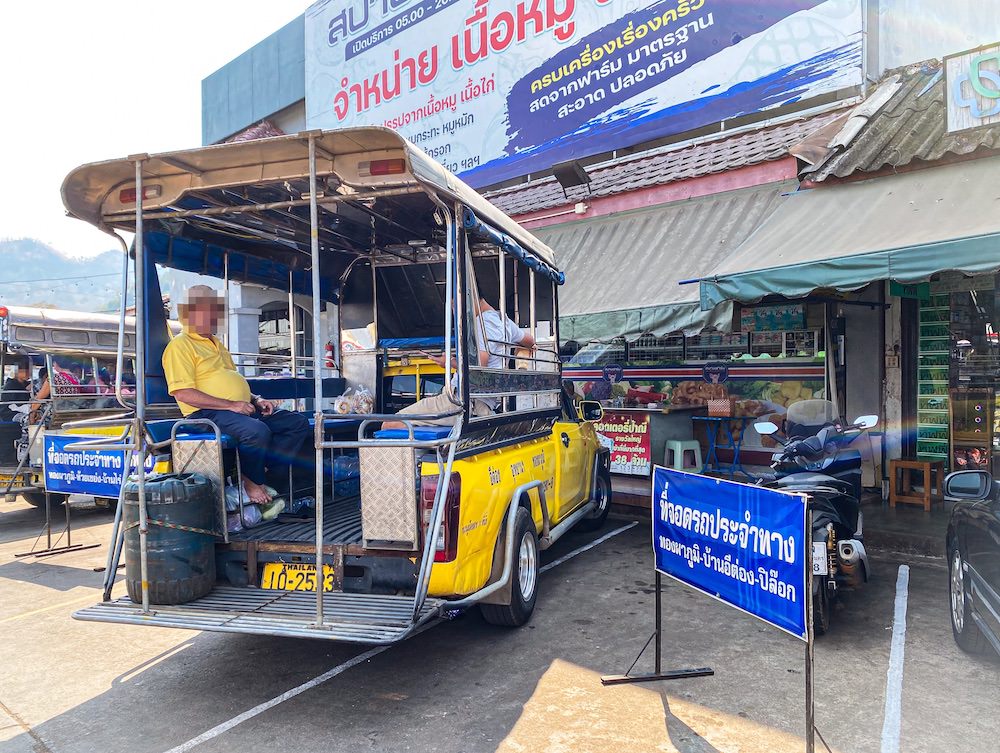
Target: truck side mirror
x,y
974,485
591,410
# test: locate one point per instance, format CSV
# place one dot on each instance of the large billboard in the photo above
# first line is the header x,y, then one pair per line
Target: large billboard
x,y
496,89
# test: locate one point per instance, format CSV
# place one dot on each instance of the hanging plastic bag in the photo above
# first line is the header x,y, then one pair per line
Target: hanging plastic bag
x,y
344,404
364,401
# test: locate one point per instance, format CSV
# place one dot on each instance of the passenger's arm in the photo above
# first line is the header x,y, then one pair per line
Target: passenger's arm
x,y
43,393
198,399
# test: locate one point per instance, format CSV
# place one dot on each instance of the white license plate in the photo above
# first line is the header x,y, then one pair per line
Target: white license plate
x,y
821,565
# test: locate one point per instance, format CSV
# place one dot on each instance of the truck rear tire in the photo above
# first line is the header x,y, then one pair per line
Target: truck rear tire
x,y
602,495
524,576
38,499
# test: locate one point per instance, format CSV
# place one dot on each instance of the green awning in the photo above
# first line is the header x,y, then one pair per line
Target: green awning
x,y
904,227
622,270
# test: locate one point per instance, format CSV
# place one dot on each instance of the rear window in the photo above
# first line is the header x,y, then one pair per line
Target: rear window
x,y
70,337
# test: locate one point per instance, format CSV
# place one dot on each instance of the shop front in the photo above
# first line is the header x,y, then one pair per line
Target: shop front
x,y
928,243
958,372
772,357
638,342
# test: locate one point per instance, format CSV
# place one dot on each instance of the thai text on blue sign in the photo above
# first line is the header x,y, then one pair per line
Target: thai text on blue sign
x,y
744,545
95,472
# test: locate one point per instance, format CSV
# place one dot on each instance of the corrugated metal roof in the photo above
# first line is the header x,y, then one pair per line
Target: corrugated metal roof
x,y
910,125
662,166
632,262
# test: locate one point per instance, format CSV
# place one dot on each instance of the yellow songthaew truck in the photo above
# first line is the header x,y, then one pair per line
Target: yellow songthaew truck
x,y
444,459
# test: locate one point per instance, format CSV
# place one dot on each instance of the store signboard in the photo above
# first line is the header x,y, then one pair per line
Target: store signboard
x,y
496,89
627,436
921,291
741,544
972,88
788,316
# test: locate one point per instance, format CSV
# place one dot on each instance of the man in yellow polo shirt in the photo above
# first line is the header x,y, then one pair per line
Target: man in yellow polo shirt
x,y
203,379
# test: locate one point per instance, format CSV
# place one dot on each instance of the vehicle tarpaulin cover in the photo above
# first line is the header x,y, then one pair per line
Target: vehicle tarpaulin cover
x,y
901,227
623,270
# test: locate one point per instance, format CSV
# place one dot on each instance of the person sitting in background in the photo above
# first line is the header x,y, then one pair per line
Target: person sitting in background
x,y
496,334
16,391
203,379
62,383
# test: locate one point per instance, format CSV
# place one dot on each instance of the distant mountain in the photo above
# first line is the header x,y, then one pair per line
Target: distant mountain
x,y
33,273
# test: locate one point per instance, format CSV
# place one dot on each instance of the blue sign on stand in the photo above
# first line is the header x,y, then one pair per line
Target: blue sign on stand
x,y
744,545
95,472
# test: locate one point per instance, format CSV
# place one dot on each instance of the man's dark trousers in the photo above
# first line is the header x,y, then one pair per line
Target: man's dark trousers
x,y
263,441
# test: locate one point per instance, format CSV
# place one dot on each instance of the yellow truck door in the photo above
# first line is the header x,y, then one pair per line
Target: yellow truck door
x,y
572,467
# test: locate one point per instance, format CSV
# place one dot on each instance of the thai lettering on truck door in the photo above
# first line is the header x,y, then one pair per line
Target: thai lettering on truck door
x,y
572,467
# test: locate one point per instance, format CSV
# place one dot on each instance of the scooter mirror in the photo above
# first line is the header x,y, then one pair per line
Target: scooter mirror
x,y
765,428
866,422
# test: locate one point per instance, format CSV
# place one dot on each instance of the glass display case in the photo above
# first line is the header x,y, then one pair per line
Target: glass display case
x,y
786,344
650,349
716,346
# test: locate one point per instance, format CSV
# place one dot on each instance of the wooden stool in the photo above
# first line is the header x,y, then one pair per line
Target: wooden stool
x,y
901,489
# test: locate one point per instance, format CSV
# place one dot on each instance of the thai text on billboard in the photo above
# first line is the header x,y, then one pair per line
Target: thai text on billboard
x,y
495,89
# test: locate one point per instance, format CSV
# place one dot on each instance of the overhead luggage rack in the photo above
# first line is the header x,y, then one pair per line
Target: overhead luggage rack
x,y
354,618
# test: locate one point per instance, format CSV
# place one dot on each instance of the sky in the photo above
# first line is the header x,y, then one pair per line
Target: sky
x,y
87,81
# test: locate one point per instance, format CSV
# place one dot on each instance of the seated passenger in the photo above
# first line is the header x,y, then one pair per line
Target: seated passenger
x,y
203,379
494,353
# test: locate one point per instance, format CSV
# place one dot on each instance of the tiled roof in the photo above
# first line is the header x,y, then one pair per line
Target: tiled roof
x,y
263,130
660,166
903,120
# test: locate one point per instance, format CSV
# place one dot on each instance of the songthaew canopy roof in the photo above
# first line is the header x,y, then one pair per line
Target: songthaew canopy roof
x,y
623,270
904,227
188,198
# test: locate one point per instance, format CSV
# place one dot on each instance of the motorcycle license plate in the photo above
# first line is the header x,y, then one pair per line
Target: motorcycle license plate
x,y
821,565
291,576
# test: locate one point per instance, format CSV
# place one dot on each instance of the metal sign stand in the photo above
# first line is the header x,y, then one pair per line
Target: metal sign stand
x,y
658,673
50,550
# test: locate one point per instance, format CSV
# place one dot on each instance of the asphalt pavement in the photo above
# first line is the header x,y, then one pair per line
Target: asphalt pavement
x,y
464,685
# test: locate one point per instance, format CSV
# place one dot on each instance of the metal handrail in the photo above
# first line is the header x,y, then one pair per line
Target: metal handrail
x,y
508,565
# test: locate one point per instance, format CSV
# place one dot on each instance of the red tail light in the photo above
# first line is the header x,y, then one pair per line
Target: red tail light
x,y
128,195
3,312
382,167
446,548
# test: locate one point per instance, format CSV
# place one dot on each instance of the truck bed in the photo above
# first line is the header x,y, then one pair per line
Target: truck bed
x,y
341,525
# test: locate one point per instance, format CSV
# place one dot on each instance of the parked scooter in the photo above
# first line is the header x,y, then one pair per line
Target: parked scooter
x,y
816,459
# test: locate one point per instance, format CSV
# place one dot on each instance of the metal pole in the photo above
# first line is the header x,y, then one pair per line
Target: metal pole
x,y
659,623
138,430
225,293
294,335
317,357
533,323
69,531
810,654
123,303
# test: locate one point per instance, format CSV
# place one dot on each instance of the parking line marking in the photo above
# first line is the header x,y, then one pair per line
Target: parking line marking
x,y
588,547
894,676
353,662
49,608
288,694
